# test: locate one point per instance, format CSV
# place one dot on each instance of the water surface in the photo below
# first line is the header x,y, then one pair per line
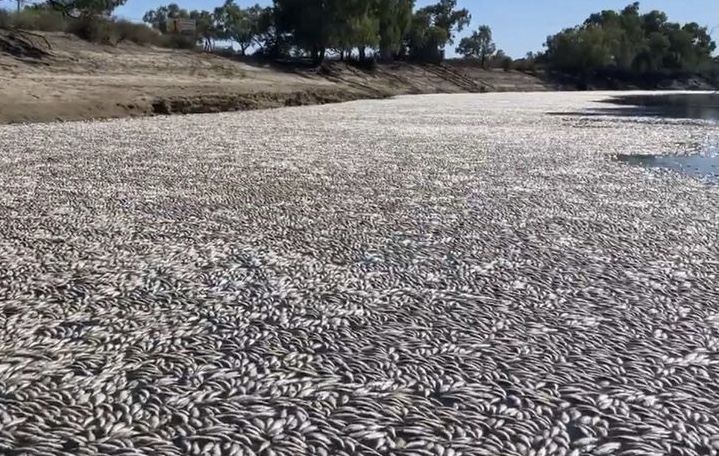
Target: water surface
x,y
700,105
704,166
704,163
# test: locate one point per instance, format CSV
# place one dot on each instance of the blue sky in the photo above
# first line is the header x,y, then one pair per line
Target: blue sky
x,y
519,26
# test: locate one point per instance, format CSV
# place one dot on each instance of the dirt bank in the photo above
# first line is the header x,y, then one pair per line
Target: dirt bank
x,y
73,80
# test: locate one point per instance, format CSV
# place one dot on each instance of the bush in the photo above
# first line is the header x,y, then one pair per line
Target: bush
x,y
177,42
366,64
525,65
40,20
113,31
5,19
32,19
136,33
507,63
93,30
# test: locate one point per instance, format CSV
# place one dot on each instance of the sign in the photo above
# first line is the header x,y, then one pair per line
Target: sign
x,y
177,25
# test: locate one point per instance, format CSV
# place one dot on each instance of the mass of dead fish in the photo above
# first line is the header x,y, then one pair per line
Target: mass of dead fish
x,y
438,275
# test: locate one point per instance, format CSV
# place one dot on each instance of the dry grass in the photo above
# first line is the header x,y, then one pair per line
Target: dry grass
x,y
95,30
77,79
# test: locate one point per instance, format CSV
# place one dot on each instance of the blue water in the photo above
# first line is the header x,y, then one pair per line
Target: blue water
x,y
702,106
704,163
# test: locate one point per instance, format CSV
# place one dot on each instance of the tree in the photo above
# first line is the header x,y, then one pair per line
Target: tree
x,y
158,17
579,50
269,39
478,46
447,18
358,28
234,24
85,8
425,40
630,42
310,23
206,28
501,60
243,26
394,23
205,23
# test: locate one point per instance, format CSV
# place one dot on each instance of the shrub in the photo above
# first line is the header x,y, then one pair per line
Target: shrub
x,y
507,63
5,19
525,65
33,19
177,42
94,30
366,64
137,33
39,20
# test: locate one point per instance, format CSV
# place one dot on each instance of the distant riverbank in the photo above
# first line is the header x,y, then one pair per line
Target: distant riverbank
x,y
76,80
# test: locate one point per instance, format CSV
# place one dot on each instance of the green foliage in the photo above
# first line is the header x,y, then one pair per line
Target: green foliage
x,y
85,8
394,21
207,30
311,23
501,60
135,33
629,41
244,26
507,63
425,40
173,41
446,17
527,64
579,49
104,30
388,29
93,30
360,30
479,45
158,17
626,40
35,19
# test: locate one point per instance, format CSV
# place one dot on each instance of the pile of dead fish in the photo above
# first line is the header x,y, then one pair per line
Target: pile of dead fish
x,y
440,275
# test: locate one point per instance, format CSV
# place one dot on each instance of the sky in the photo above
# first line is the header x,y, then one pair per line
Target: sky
x,y
517,29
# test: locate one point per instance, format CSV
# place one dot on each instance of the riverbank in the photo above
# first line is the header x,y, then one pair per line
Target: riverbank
x,y
63,78
74,80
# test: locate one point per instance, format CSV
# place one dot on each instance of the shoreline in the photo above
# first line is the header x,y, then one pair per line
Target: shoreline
x,y
76,80
29,113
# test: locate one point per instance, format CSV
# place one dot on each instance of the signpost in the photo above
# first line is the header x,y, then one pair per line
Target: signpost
x,y
178,25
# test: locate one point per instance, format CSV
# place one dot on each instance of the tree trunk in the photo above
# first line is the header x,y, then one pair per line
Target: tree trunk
x,y
362,53
318,55
342,55
314,53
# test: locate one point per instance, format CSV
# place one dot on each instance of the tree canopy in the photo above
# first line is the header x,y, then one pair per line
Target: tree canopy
x,y
479,45
627,40
388,28
77,8
630,41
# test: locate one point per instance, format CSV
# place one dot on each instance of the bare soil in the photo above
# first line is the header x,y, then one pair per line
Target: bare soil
x,y
76,80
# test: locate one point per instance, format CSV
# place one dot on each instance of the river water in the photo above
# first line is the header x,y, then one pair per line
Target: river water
x,y
703,161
